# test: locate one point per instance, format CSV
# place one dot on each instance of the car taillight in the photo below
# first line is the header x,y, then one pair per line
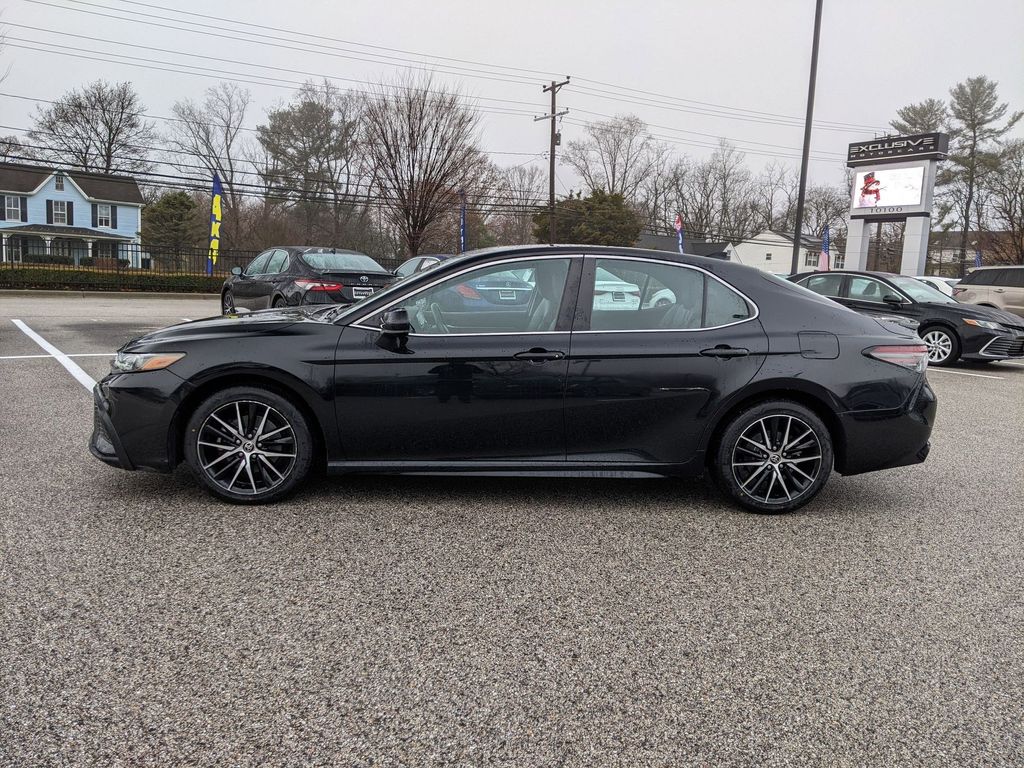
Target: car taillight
x,y
467,291
912,356
318,285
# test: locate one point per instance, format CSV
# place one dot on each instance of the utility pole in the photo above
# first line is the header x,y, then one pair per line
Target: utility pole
x,y
807,139
553,88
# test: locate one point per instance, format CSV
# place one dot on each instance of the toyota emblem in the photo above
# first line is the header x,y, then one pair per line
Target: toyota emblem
x,y
364,279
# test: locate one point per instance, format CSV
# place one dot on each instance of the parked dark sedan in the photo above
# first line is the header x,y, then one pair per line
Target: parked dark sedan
x,y
952,331
760,383
294,275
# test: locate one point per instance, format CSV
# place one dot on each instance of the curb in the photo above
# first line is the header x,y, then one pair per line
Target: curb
x,y
38,293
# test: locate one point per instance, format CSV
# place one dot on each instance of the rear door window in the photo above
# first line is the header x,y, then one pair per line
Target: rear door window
x,y
982,277
278,262
633,295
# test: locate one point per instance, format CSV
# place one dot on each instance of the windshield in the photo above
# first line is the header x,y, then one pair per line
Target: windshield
x,y
919,291
327,261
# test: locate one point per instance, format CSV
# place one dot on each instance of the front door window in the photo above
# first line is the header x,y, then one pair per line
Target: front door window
x,y
517,297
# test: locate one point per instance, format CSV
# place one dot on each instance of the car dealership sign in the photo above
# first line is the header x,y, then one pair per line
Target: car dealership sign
x,y
934,146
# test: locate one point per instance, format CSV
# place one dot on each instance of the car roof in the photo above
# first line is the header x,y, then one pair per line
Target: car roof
x,y
869,273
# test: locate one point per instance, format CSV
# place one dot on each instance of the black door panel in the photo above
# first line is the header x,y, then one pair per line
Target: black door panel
x,y
450,398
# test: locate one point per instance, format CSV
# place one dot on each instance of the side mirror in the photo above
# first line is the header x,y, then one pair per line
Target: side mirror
x,y
236,271
892,299
394,330
395,323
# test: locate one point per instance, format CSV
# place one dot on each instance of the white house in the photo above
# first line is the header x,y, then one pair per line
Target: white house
x,y
773,252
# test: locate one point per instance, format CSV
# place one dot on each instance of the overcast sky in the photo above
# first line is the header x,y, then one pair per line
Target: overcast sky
x,y
720,68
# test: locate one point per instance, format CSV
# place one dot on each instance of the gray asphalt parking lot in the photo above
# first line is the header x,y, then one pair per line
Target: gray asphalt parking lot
x,y
517,622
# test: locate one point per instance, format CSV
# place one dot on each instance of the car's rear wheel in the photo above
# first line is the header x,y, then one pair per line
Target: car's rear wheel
x,y
278,302
248,445
773,457
943,345
227,303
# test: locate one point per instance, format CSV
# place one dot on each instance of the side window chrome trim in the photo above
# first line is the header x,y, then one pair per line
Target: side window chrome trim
x,y
404,297
728,286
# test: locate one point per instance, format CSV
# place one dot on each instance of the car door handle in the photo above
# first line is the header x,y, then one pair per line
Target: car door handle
x,y
999,290
538,355
724,351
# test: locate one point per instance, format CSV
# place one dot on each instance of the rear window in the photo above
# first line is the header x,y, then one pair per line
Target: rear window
x,y
330,262
981,277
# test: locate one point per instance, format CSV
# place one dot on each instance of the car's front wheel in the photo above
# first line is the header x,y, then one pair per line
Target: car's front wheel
x,y
248,445
227,303
773,457
943,345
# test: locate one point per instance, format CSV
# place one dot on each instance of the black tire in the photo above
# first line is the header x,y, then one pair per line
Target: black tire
x,y
213,438
227,303
279,302
781,479
943,344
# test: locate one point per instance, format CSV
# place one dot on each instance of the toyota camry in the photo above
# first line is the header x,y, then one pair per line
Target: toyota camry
x,y
760,384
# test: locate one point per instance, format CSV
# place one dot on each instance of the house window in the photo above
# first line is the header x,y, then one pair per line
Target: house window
x,y
60,212
810,259
767,257
58,182
839,261
102,215
12,207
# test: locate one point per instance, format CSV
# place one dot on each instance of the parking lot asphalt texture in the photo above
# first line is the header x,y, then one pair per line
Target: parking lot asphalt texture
x,y
501,622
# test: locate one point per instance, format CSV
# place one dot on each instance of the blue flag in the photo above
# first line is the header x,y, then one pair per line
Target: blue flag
x,y
215,219
462,222
977,257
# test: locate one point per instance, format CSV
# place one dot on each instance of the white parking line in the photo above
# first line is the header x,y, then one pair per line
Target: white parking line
x,y
70,365
964,373
76,354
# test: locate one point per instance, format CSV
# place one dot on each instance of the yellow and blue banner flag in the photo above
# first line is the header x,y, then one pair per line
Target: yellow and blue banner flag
x,y
215,219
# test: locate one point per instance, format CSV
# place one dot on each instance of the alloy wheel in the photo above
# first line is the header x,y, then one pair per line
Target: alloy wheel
x,y
940,346
227,304
246,447
776,459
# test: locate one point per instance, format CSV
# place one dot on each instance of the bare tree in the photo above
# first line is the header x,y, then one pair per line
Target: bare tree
x,y
773,198
13,151
615,155
422,139
519,189
99,128
210,134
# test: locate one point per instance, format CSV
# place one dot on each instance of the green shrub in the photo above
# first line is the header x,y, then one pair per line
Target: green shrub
x,y
89,280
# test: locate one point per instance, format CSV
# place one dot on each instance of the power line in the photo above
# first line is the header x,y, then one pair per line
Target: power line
x,y
794,119
722,111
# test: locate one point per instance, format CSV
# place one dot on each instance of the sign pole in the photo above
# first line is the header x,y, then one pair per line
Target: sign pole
x,y
807,138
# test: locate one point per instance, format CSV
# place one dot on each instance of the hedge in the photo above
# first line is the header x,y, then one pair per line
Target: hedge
x,y
88,280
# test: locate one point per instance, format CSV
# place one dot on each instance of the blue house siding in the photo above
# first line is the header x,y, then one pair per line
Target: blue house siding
x,y
127,214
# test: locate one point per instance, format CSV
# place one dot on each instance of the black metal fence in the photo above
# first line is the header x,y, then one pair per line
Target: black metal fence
x,y
116,266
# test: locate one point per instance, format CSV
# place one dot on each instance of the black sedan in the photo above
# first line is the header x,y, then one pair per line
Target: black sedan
x,y
293,275
763,385
952,331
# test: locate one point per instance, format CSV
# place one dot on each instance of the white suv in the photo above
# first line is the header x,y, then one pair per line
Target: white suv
x,y
999,287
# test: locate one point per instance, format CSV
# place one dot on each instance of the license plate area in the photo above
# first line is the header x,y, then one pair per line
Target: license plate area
x,y
507,295
361,291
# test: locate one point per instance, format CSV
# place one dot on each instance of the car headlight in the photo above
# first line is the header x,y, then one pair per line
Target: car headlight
x,y
983,324
129,362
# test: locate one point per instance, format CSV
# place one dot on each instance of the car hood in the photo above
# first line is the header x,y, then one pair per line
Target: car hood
x,y
975,312
226,326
